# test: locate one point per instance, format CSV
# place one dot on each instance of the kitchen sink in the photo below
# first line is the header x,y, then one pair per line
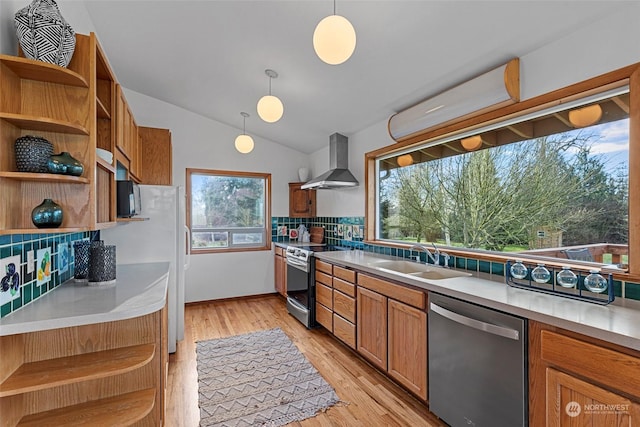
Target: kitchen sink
x,y
400,266
439,273
418,270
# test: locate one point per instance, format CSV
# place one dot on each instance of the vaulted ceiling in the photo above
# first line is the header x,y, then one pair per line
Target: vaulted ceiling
x,y
209,57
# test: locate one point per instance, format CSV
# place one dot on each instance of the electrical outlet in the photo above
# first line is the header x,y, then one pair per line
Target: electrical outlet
x,y
30,262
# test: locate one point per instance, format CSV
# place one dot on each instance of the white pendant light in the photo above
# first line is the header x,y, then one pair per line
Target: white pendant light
x,y
270,108
334,39
244,143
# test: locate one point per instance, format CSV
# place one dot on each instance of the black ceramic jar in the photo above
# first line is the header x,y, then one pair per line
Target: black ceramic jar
x,y
32,154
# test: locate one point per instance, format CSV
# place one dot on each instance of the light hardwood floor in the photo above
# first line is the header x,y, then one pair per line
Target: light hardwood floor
x,y
373,399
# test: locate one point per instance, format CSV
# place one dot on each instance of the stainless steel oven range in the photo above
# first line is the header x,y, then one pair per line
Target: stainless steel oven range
x,y
301,292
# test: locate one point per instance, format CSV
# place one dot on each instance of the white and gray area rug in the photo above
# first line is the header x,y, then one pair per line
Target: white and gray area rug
x,y
258,379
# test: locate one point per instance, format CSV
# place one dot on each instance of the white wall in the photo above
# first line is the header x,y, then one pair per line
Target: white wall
x,y
598,48
199,142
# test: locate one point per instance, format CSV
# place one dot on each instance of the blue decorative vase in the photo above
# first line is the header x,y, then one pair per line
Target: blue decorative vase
x,y
48,214
64,163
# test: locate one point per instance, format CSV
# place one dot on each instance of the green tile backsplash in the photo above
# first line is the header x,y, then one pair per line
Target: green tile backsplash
x,y
19,245
335,228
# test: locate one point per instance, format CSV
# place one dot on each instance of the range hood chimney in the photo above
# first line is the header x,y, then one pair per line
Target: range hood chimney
x,y
338,175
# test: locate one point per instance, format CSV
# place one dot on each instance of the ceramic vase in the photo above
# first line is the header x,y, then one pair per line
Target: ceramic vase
x,y
64,163
32,154
48,214
43,33
303,174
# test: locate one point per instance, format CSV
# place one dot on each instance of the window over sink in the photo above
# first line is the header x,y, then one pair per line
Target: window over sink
x,y
551,180
228,211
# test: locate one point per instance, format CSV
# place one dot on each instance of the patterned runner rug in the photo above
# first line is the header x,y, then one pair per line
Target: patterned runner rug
x,y
258,379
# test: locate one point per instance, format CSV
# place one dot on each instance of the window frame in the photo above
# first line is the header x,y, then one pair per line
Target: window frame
x,y
629,75
267,210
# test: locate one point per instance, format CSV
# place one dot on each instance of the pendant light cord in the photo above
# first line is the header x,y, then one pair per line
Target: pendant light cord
x,y
334,7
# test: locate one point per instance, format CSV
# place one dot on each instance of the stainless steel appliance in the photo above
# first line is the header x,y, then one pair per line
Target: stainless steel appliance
x,y
301,293
301,285
477,368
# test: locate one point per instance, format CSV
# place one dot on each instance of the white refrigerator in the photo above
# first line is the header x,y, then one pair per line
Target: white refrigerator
x,y
162,236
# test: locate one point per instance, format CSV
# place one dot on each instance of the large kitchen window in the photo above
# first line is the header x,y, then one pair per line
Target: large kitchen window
x,y
552,182
228,211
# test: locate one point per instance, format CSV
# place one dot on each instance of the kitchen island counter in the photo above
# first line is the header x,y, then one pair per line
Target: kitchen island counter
x,y
616,323
140,289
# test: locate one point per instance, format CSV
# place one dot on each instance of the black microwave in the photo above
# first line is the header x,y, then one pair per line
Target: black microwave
x,y
128,199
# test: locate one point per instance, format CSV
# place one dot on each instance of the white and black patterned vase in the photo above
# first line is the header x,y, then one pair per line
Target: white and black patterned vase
x,y
44,34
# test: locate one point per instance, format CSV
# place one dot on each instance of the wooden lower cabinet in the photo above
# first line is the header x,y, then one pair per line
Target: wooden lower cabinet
x,y
576,380
324,316
408,347
280,268
106,374
344,330
572,401
372,327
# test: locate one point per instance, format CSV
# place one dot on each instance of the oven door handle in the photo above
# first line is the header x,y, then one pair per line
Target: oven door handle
x,y
300,265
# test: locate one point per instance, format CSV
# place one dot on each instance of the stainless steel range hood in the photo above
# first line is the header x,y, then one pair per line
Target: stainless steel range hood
x,y
338,175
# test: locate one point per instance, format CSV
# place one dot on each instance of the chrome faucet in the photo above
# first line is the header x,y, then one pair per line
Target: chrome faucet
x,y
434,257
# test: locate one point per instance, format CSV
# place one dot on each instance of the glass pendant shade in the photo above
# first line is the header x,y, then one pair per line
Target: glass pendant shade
x,y
405,160
472,143
270,108
244,144
587,116
334,39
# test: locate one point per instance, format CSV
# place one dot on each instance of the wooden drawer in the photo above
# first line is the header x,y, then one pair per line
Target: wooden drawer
x,y
344,274
344,305
324,295
344,330
280,251
324,316
398,292
344,287
325,267
324,278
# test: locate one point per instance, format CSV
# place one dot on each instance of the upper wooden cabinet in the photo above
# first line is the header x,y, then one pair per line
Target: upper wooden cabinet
x,y
302,203
155,156
73,108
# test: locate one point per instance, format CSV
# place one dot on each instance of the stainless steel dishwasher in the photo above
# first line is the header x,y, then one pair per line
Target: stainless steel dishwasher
x,y
477,365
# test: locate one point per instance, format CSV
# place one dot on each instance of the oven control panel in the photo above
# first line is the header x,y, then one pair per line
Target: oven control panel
x,y
297,253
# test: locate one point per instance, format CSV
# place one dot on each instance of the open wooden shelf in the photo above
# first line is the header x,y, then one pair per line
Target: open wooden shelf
x,y
50,373
103,225
133,219
102,112
42,71
122,410
35,230
43,124
44,177
104,165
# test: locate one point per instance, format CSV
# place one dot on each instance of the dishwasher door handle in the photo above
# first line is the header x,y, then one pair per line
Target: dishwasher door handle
x,y
476,324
